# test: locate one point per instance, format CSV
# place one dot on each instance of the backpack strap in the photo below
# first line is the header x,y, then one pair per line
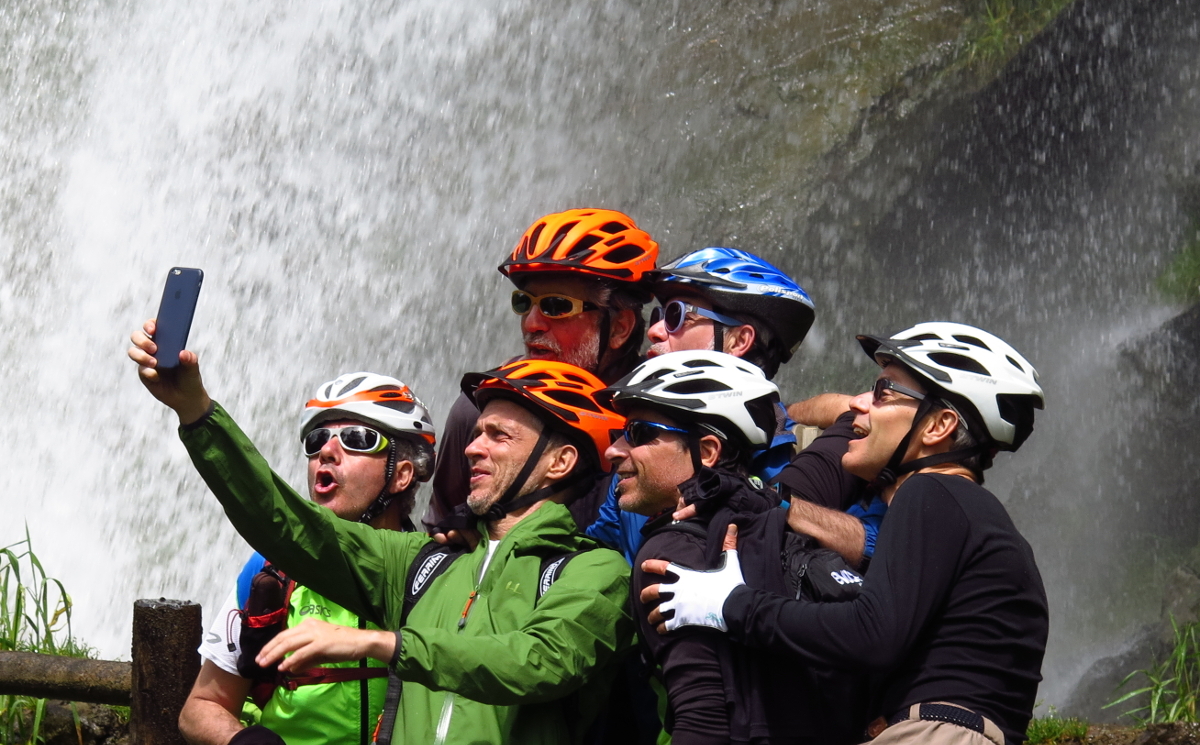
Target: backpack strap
x,y
264,614
552,568
319,675
431,562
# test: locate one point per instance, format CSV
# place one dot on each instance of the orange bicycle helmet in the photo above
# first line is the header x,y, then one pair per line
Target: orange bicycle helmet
x,y
564,394
601,243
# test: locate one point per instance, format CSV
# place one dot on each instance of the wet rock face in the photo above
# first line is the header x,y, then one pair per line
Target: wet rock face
x,y
1160,373
98,725
1100,683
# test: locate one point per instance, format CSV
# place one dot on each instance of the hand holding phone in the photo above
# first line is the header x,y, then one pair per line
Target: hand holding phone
x,y
175,313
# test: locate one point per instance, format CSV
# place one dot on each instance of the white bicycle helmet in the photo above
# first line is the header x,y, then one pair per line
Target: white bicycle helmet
x,y
724,394
996,388
374,399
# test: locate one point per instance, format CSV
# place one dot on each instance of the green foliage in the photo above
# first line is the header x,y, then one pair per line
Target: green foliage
x,y
999,28
1052,729
1172,685
35,616
1181,281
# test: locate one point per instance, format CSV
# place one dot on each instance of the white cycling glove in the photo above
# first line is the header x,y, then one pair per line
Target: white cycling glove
x,y
700,596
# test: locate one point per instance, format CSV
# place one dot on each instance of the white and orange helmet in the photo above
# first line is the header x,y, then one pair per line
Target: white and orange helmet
x,y
373,399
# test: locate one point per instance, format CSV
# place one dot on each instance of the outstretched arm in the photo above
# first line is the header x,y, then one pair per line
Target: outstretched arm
x,y
820,410
353,565
314,642
834,530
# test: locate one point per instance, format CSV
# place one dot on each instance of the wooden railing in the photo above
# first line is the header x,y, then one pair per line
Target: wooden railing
x,y
154,685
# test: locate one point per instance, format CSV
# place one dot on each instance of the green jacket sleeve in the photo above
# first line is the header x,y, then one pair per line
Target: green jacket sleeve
x,y
354,565
579,626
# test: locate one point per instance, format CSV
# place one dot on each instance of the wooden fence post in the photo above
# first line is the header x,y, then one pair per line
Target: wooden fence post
x,y
166,634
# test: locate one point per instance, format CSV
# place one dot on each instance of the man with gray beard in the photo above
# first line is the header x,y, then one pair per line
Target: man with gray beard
x,y
581,278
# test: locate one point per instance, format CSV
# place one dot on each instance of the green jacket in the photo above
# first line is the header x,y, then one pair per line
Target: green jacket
x,y
516,670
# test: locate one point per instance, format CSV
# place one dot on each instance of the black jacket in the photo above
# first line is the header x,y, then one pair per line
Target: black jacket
x,y
724,692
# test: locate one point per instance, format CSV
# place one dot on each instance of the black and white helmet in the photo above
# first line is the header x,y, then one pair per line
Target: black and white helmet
x,y
722,393
979,373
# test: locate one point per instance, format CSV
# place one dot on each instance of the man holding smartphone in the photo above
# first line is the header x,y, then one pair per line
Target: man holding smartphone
x,y
503,646
369,443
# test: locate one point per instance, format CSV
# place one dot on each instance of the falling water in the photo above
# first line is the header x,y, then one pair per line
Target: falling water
x,y
348,174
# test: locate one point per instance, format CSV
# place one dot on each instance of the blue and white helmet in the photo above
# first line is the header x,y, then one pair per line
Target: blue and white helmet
x,y
739,282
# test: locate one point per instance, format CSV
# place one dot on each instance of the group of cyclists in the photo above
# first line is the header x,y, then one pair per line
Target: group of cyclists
x,y
628,546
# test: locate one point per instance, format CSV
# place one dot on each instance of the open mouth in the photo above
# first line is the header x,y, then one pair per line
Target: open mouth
x,y
538,348
624,482
324,482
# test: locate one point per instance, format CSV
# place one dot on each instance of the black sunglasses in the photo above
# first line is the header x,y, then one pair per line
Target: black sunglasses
x,y
639,432
884,384
356,438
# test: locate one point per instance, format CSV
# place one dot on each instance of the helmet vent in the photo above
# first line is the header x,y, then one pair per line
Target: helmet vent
x,y
562,233
583,245
350,386
623,254
533,239
698,363
404,407
959,362
572,399
576,378
1014,363
972,340
698,385
762,411
612,228
921,337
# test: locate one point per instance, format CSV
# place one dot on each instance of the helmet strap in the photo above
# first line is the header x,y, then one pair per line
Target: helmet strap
x,y
896,467
384,500
694,447
718,337
505,503
536,495
952,456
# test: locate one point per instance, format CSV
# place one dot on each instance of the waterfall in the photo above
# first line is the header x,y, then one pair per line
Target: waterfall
x,y
349,174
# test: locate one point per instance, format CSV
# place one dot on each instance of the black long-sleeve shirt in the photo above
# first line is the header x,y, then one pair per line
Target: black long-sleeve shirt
x,y
816,474
953,608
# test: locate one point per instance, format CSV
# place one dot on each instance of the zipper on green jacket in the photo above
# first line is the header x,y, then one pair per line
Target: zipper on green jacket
x,y
443,726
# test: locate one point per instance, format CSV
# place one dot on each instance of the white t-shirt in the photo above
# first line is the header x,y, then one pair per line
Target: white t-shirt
x,y
491,551
226,630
